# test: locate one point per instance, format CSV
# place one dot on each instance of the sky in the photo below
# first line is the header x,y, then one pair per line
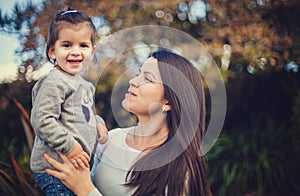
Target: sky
x,y
8,44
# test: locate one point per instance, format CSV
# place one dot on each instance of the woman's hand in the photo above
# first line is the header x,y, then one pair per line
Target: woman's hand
x,y
79,181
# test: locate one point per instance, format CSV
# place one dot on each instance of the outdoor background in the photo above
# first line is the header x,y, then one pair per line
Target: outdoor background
x,y
255,43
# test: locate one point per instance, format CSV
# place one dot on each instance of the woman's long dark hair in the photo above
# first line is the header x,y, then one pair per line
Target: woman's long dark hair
x,y
185,172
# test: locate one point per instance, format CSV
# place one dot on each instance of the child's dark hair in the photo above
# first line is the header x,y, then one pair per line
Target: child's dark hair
x,y
70,16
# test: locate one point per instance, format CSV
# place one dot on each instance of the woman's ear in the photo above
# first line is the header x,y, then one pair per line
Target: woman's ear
x,y
166,107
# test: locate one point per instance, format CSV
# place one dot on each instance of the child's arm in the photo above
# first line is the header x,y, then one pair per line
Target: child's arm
x,y
102,133
78,157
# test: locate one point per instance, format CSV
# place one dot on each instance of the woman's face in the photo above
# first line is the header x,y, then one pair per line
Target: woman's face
x,y
145,95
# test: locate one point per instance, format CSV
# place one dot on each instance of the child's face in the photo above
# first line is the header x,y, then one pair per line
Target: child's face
x,y
73,50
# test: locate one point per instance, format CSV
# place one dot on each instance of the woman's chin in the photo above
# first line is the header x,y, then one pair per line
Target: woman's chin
x,y
125,104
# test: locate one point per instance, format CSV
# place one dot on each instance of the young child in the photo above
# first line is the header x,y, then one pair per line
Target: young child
x,y
62,114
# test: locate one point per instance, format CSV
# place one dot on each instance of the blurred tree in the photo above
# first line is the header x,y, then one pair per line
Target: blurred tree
x,y
260,34
15,102
296,109
270,94
255,31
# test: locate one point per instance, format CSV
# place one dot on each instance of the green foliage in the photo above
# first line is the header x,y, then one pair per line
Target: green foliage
x,y
296,109
257,150
15,179
11,128
261,158
268,94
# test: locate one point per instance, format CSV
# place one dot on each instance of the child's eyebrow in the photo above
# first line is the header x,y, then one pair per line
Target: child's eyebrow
x,y
86,42
65,42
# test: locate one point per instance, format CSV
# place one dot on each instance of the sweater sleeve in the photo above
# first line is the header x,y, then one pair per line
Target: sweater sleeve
x,y
45,114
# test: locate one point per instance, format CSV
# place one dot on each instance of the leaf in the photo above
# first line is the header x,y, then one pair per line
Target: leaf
x,y
6,183
7,177
27,189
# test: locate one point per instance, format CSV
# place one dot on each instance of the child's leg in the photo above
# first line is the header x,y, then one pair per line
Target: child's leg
x,y
51,185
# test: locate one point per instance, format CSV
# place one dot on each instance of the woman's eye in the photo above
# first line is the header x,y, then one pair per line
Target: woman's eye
x,y
145,77
148,79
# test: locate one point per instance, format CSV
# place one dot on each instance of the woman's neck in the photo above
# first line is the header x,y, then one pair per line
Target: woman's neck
x,y
145,138
152,130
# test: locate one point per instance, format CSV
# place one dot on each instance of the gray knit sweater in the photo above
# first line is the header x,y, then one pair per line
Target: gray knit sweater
x,y
62,113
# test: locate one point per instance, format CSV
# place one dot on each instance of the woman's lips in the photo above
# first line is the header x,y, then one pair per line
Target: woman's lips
x,y
131,93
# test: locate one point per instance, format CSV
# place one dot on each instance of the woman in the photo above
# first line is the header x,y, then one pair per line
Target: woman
x,y
161,155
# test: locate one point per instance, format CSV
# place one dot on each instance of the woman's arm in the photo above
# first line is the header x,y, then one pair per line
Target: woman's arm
x,y
79,181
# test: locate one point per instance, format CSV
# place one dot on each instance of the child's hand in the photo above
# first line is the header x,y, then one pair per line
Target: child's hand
x,y
102,135
79,158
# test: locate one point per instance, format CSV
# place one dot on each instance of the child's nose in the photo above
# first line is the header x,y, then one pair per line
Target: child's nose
x,y
75,51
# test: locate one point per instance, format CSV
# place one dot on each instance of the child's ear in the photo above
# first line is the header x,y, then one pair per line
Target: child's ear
x,y
51,53
94,50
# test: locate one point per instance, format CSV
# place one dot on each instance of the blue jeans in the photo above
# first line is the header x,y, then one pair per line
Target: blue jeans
x,y
51,185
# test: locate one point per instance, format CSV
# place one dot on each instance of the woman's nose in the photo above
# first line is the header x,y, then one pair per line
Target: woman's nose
x,y
134,82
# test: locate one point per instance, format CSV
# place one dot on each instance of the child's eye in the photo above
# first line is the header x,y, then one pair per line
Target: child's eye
x,y
84,45
67,45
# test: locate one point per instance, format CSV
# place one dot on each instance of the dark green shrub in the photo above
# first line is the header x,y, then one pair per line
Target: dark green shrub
x,y
261,158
